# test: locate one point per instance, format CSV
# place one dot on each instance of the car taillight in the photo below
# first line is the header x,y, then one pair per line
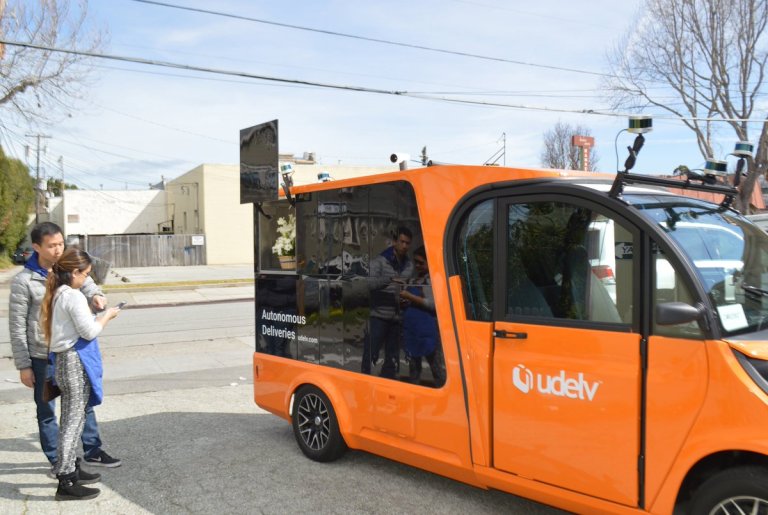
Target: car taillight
x,y
602,271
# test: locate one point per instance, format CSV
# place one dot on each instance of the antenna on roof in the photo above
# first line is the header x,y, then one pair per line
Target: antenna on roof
x,y
638,124
743,150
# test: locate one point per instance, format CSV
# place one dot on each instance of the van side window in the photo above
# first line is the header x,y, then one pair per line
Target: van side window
x,y
476,261
567,261
358,295
669,287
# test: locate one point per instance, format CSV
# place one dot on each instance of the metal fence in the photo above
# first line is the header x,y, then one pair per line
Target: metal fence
x,y
146,249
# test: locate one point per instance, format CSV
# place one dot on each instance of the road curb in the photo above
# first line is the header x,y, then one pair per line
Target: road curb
x,y
138,287
187,303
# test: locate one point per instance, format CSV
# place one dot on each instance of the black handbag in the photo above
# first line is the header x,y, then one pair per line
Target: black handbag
x,y
50,390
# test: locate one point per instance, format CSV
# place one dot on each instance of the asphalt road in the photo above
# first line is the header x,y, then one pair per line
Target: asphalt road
x,y
179,411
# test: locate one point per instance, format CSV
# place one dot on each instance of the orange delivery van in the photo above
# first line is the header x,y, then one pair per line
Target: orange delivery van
x,y
594,342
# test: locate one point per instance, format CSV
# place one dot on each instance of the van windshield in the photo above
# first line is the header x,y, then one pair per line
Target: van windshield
x,y
729,254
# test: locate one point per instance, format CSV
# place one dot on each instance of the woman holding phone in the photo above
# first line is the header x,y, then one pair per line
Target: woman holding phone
x,y
70,328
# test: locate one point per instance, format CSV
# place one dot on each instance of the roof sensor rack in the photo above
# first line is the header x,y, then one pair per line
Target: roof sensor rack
x,y
708,177
707,184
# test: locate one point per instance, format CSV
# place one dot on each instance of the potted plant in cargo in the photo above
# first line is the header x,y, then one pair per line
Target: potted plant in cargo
x,y
285,244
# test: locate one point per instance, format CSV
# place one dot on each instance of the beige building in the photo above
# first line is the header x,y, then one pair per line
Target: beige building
x,y
206,200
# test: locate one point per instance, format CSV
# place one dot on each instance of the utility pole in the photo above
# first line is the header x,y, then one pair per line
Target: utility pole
x,y
61,169
38,191
501,153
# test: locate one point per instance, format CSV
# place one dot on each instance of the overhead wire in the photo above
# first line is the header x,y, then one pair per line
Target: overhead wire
x,y
362,89
10,149
126,204
218,58
177,129
46,160
370,39
74,168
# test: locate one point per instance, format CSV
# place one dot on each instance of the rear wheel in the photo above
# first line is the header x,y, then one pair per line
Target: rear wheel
x,y
736,491
315,425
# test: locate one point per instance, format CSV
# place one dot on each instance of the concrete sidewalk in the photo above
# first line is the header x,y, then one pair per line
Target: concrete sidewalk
x,y
174,285
164,285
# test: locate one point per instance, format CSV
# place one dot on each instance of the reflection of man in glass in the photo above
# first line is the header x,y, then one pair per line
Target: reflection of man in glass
x,y
388,271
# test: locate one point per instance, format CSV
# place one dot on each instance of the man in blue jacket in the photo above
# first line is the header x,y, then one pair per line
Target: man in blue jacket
x,y
388,272
30,352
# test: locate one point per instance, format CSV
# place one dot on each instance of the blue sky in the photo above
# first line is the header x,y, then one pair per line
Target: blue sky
x,y
138,123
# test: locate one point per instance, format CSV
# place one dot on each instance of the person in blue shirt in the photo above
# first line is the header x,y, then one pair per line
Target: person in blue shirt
x,y
420,332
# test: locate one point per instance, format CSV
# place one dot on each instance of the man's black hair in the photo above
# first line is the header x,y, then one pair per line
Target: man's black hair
x,y
404,230
421,252
42,230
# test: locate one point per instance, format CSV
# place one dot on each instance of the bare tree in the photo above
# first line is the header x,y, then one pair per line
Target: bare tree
x,y
558,152
41,85
701,60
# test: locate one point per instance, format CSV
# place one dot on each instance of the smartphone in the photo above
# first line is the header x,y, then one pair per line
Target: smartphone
x,y
121,305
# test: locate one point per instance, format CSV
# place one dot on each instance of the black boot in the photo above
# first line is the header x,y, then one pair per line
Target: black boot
x,y
85,478
70,490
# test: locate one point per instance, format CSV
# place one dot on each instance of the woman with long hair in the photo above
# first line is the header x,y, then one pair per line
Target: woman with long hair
x,y
70,329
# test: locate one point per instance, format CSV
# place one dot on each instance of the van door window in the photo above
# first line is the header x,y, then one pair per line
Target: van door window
x,y
475,245
568,262
669,287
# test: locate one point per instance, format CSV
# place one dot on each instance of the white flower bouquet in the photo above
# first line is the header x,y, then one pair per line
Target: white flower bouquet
x,y
285,244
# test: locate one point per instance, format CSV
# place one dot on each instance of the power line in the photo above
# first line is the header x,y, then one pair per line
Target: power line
x,y
373,40
114,153
79,170
5,135
228,142
170,158
189,67
96,175
595,112
219,58
361,89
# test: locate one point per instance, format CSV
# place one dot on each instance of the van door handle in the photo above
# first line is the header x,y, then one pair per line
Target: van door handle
x,y
510,335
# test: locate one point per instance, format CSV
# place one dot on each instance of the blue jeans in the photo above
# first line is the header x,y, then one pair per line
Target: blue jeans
x,y
384,333
46,418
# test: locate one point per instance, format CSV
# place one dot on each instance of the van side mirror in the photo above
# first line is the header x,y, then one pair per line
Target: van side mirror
x,y
674,313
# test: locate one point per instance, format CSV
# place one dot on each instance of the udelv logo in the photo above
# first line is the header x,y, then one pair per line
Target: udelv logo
x,y
558,385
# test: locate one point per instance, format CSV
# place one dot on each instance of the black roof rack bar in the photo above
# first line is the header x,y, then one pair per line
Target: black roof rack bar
x,y
623,178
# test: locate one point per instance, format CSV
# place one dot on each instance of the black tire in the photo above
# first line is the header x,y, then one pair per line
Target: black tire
x,y
315,425
739,490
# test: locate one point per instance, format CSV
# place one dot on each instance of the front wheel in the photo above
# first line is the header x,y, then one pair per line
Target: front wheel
x,y
315,425
736,491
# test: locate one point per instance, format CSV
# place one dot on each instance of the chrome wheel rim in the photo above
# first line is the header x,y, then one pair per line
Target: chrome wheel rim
x,y
741,505
314,421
